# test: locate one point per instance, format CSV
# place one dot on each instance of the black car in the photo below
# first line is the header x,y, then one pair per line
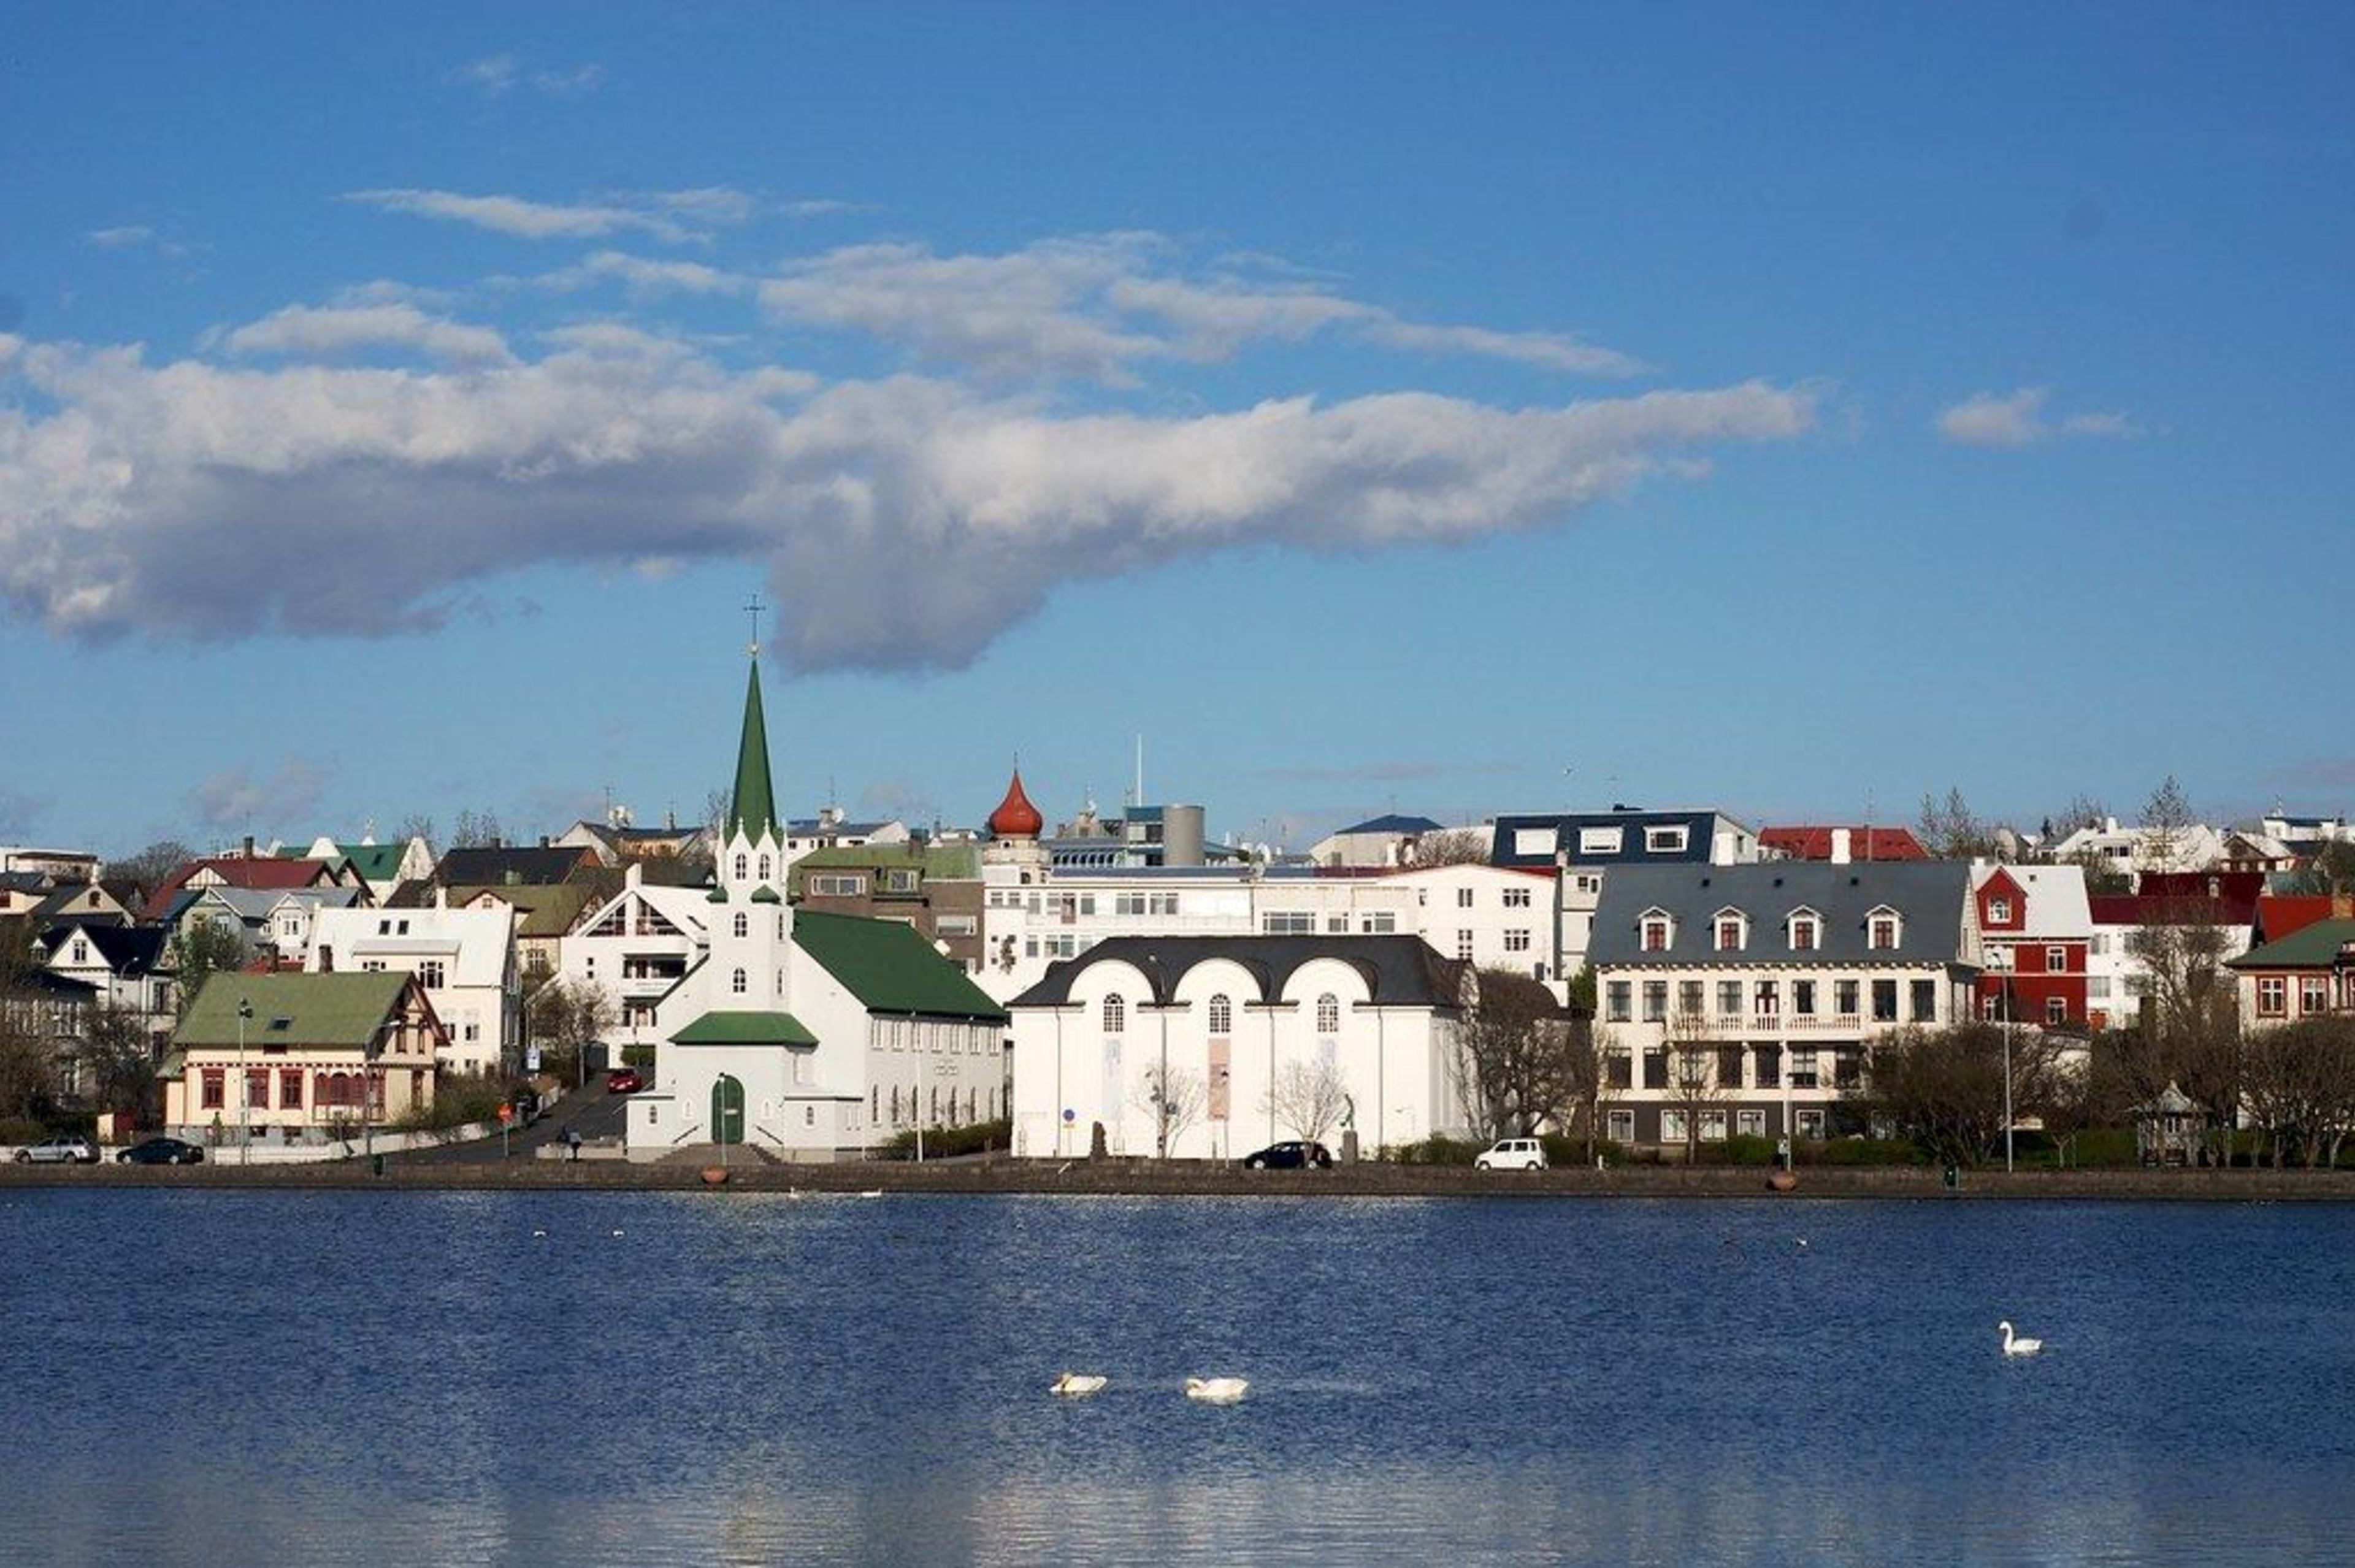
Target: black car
x,y
162,1151
1293,1154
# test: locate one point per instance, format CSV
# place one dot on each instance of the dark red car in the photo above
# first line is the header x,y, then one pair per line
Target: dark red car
x,y
623,1080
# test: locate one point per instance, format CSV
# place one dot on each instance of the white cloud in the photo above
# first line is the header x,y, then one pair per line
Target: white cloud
x,y
643,276
2017,419
667,215
490,76
573,81
907,522
825,206
235,799
1095,307
303,330
121,236
494,76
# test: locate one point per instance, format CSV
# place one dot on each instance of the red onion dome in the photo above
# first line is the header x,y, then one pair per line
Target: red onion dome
x,y
1016,817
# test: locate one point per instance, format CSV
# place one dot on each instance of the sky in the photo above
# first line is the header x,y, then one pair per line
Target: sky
x,y
1447,410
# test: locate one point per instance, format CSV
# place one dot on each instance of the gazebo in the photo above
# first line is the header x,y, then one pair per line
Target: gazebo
x,y
2168,1129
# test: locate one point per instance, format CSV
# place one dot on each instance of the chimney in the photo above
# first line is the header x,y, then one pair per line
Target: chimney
x,y
1839,847
249,846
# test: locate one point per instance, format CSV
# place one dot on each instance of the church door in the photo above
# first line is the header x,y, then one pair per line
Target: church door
x,y
727,1109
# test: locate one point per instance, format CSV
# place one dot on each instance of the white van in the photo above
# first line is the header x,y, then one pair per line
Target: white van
x,y
1513,1154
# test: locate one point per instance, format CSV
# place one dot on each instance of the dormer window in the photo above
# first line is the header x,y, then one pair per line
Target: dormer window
x,y
1598,841
1659,932
1732,930
1664,840
1806,932
1998,912
1883,929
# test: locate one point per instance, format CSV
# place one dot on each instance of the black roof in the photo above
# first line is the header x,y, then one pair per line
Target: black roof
x,y
1403,971
1929,896
490,868
127,949
1568,832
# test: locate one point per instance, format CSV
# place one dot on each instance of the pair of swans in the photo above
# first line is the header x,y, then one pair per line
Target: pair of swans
x,y
2014,1345
1209,1390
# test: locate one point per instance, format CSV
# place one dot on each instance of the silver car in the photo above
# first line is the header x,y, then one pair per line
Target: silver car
x,y
58,1151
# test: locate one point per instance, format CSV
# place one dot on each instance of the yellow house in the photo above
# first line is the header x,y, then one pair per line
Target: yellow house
x,y
296,1058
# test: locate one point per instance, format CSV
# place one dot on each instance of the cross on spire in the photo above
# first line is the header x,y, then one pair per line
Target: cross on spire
x,y
754,609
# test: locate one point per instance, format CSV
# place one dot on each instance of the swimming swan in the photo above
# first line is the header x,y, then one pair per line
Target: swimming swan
x,y
1078,1385
2014,1347
1216,1391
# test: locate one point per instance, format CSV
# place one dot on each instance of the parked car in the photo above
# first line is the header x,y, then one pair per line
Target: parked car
x,y
68,1148
1513,1154
161,1151
623,1080
1294,1154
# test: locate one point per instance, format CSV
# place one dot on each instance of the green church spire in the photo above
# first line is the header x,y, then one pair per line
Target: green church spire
x,y
752,809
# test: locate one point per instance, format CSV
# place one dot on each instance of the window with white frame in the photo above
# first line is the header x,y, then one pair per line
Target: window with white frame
x,y
1712,1126
2056,1010
1598,841
1222,1014
1115,1013
1802,998
1803,934
1672,1125
1655,1001
2313,993
1810,1124
1882,930
1750,1124
1767,998
1517,941
1289,923
1728,999
1803,1067
954,924
1328,1014
1619,1127
1689,997
1998,911
1664,840
836,886
1729,932
1844,997
1657,933
1378,922
1619,1000
429,973
2056,960
2273,996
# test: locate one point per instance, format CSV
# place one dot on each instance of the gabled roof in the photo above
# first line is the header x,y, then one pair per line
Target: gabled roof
x,y
1393,823
2314,946
488,866
241,872
1400,971
1810,843
540,910
341,1010
374,863
2280,915
1929,895
126,949
889,967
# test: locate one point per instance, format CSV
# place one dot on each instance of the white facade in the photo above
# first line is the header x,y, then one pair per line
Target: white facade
x,y
464,960
1091,1056
635,948
2197,848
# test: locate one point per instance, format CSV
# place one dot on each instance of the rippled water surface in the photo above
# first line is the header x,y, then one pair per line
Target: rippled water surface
x,y
368,1378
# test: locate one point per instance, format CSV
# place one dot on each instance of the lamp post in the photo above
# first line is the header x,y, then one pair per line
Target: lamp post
x,y
2007,1073
244,1084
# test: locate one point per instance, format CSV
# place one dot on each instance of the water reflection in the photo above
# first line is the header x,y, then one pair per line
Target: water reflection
x,y
370,1377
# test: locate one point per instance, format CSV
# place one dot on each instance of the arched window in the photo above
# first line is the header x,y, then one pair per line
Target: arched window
x,y
736,983
1115,1014
875,1103
739,868
935,1115
764,868
895,1104
781,925
1222,1014
743,923
1328,1014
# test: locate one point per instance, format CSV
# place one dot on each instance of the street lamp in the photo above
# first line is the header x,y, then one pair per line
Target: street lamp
x,y
244,1084
2007,1073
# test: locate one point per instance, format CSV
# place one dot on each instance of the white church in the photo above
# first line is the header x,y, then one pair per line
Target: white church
x,y
802,1036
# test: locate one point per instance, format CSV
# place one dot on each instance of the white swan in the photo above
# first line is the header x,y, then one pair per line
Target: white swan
x,y
1078,1385
1216,1391
2017,1347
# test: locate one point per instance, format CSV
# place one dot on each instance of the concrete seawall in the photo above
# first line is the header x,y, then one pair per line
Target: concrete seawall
x,y
1118,1178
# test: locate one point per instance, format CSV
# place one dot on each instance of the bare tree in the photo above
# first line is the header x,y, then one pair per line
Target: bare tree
x,y
562,1017
2189,1030
2167,823
150,866
416,825
118,1065
1945,1088
1690,1053
1308,1098
477,830
2299,1088
1587,1052
201,948
1175,1101
1949,830
1513,1067
1450,847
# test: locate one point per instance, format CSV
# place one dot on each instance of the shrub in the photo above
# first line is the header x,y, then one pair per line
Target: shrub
x,y
1862,1151
641,1057
456,1103
1743,1149
944,1143
1439,1150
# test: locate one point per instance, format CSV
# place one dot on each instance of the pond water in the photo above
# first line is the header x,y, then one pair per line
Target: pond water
x,y
369,1378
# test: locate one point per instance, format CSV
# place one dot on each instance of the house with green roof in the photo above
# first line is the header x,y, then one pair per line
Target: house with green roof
x,y
801,1035
2308,974
291,1058
383,866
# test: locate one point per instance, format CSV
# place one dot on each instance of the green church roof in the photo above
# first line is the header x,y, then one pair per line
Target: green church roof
x,y
890,968
752,808
745,1029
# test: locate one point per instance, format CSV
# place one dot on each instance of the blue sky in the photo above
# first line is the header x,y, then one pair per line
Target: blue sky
x,y
1449,410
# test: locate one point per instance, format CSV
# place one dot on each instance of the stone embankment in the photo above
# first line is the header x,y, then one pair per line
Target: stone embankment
x,y
1147,1177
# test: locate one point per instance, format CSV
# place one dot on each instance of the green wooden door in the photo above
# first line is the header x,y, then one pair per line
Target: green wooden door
x,y
727,1109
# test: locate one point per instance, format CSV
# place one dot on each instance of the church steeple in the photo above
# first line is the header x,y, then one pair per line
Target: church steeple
x,y
752,808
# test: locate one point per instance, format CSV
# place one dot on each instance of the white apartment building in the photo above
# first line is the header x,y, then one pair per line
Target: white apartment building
x,y
464,960
639,945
